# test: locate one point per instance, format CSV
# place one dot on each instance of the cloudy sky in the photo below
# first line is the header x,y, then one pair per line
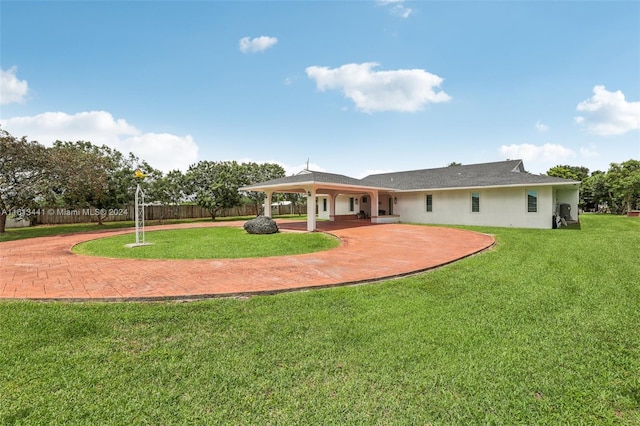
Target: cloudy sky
x,y
354,87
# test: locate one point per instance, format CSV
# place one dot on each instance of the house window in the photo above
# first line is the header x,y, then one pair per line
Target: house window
x,y
475,202
324,204
532,201
352,204
429,203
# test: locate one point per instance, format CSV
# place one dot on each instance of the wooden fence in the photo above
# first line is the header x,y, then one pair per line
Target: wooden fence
x,y
60,216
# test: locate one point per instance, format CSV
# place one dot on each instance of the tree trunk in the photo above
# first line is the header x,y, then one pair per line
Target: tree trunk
x,y
3,222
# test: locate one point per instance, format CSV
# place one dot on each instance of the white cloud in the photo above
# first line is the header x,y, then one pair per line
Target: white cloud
x,y
608,113
528,152
396,7
541,127
405,90
589,151
161,150
258,44
401,11
12,90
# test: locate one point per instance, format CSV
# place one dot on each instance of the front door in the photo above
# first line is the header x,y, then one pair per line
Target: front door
x,y
390,211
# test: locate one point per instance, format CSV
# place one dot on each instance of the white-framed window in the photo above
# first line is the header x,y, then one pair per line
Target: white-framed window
x,y
429,200
532,201
475,202
352,204
324,204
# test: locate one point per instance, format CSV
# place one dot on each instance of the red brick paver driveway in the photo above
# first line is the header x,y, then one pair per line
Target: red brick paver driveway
x,y
45,268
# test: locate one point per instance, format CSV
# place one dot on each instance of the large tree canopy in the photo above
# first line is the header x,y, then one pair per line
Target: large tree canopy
x,y
214,185
23,176
254,173
617,190
87,175
623,181
569,172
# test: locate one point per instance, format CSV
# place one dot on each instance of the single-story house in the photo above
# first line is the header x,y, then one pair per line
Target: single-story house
x,y
489,194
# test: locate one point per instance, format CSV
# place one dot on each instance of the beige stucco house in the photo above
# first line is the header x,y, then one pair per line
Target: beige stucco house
x,y
489,194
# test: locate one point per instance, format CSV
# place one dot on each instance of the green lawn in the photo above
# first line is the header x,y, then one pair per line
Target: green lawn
x,y
543,329
50,230
208,243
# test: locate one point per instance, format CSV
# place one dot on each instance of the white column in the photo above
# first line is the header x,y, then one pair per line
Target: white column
x,y
311,209
332,195
375,199
267,203
332,207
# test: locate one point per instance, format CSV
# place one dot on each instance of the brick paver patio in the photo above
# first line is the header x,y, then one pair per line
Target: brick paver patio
x,y
45,268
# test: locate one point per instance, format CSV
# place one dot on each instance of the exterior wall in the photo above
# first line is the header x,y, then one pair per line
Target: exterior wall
x,y
342,204
504,207
320,200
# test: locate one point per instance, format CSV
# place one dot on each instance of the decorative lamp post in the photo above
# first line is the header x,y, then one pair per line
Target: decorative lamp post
x,y
139,212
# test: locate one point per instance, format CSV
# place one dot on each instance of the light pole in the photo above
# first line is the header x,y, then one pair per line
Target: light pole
x,y
139,211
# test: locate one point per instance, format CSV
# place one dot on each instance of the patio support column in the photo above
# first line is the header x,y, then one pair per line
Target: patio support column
x,y
332,207
332,195
375,199
311,209
267,203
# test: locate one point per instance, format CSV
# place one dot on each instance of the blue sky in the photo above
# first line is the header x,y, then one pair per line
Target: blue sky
x,y
355,87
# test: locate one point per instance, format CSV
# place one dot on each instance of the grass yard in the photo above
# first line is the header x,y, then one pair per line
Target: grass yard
x,y
543,329
13,234
208,243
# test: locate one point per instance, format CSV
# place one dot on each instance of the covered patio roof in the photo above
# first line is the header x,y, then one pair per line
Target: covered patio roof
x,y
320,180
312,183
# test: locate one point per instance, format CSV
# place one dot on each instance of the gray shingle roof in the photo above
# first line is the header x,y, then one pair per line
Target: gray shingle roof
x,y
503,173
312,176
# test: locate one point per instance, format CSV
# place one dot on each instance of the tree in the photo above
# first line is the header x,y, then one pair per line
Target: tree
x,y
594,191
23,171
453,164
569,172
100,177
79,174
296,200
623,181
169,189
214,185
255,173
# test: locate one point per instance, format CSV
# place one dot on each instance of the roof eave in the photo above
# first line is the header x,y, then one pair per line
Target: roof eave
x,y
514,185
316,184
